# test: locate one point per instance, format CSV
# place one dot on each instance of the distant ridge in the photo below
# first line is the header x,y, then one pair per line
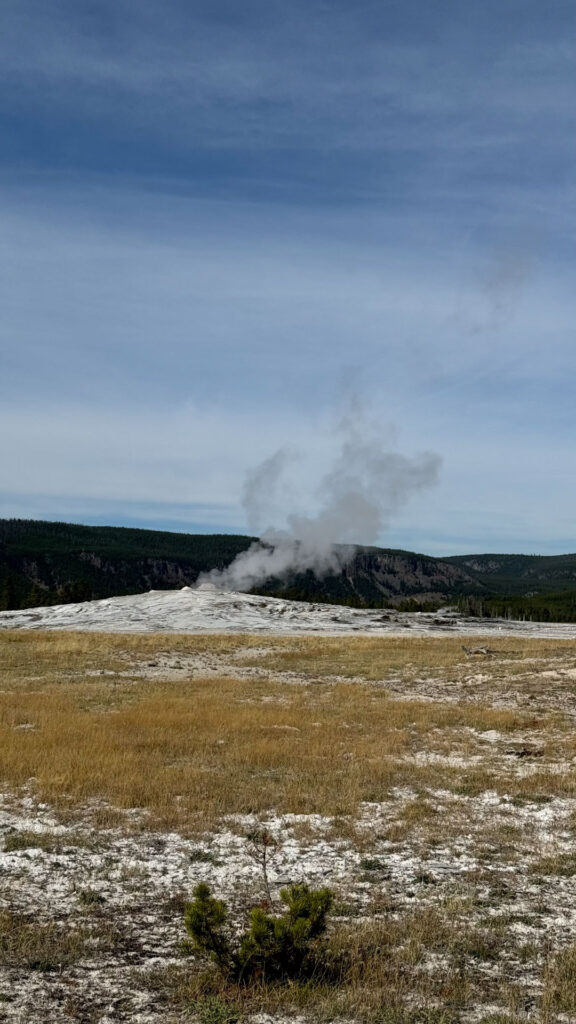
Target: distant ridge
x,y
50,563
519,574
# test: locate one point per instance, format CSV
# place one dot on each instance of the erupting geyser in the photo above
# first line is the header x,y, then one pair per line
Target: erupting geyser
x,y
367,483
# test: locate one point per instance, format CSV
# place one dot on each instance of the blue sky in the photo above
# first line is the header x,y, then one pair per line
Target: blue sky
x,y
217,218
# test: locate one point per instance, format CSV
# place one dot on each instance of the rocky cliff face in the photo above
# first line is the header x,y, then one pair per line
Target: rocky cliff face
x,y
402,574
374,576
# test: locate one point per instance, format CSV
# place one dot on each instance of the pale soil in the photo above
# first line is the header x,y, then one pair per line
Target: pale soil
x,y
485,866
207,610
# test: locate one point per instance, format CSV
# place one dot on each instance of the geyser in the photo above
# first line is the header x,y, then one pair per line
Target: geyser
x,y
364,487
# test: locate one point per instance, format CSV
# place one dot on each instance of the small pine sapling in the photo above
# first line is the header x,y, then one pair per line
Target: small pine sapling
x,y
274,948
205,920
277,948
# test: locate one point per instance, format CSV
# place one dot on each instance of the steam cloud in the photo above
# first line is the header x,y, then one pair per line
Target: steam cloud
x,y
365,486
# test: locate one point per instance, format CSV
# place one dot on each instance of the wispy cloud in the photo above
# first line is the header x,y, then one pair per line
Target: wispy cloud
x,y
437,92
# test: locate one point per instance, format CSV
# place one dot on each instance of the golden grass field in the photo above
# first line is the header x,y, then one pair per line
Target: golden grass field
x,y
411,750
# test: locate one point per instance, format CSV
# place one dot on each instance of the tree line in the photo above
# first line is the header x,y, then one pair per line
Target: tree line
x,y
555,607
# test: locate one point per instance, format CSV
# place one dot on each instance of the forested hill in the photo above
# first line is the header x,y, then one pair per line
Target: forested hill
x,y
49,563
540,588
520,574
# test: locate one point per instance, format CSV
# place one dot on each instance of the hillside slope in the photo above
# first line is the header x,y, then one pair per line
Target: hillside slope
x,y
520,574
48,563
53,563
381,576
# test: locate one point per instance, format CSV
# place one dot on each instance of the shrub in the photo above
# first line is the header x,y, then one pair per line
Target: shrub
x,y
274,948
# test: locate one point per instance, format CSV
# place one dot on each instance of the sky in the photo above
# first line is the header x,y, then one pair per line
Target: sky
x,y
220,219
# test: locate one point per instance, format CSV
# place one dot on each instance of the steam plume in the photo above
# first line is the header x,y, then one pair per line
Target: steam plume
x,y
365,486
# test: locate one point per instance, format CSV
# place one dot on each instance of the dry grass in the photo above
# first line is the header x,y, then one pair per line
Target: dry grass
x,y
413,726
176,751
173,748
528,673
60,655
39,947
56,657
560,985
50,842
379,658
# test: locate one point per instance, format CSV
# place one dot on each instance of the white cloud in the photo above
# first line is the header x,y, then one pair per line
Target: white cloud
x,y
157,341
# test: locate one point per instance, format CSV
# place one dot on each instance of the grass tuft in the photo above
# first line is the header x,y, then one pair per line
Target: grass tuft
x,y
27,943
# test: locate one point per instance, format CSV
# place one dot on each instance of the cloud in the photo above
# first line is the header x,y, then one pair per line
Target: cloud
x,y
440,92
117,298
213,213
